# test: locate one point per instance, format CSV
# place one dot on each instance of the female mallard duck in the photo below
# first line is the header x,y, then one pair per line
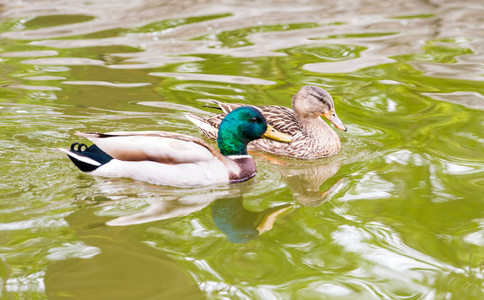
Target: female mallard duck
x,y
175,159
311,136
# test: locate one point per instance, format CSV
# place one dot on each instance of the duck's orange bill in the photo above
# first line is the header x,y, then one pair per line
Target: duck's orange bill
x,y
333,118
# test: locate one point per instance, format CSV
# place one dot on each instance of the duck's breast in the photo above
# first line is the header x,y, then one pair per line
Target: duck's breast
x,y
241,168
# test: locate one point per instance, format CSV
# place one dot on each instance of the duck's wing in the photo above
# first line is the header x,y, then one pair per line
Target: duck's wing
x,y
280,117
159,146
208,126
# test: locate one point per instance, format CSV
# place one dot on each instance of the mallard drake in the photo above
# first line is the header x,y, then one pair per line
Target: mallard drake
x,y
173,159
311,136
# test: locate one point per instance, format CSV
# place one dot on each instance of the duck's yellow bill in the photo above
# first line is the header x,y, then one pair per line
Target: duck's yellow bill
x,y
273,134
333,118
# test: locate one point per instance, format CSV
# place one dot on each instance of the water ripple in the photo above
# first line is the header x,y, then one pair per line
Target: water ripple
x,y
215,78
397,214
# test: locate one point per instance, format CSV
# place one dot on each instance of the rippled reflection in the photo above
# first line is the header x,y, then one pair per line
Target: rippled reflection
x,y
242,225
228,213
398,214
305,180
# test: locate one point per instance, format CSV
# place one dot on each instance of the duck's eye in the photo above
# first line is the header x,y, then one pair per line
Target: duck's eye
x,y
254,120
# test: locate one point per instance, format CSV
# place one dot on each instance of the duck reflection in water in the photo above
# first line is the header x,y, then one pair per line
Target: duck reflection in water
x,y
228,213
241,225
172,208
311,183
306,178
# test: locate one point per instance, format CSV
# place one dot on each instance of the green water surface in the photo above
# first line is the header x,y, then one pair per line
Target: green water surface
x,y
398,214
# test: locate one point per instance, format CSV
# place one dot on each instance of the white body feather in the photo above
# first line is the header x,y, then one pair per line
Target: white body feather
x,y
179,175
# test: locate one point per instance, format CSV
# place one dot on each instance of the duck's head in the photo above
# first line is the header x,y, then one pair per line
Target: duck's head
x,y
313,102
243,125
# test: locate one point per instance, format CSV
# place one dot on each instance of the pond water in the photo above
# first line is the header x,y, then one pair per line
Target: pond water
x,y
398,214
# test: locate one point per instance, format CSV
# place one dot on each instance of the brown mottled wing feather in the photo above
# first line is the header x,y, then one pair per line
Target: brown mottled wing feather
x,y
216,120
280,117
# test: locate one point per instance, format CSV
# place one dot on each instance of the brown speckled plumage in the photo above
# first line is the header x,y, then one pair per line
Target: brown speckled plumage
x,y
312,137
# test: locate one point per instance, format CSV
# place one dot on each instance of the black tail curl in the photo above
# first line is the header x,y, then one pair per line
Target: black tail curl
x,y
93,152
79,147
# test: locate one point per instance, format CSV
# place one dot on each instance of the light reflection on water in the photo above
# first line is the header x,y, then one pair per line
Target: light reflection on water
x,y
397,214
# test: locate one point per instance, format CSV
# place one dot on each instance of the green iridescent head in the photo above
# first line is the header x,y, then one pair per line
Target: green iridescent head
x,y
238,128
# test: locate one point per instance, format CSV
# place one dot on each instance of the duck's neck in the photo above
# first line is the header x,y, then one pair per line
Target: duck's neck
x,y
230,144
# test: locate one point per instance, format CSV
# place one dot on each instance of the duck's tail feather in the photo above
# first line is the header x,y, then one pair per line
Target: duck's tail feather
x,y
211,106
207,129
87,159
200,121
